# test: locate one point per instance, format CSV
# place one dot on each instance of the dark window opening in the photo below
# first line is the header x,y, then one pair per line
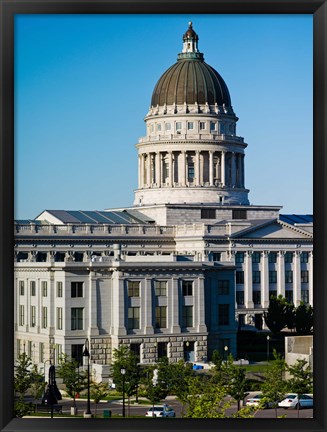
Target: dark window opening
x,y
239,214
208,213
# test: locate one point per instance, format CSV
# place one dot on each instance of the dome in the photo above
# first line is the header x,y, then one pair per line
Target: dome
x,y
191,80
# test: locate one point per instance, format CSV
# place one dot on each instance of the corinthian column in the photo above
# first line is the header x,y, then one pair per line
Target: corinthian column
x,y
223,180
211,168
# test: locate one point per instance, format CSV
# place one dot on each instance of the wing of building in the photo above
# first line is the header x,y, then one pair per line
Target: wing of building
x,y
178,272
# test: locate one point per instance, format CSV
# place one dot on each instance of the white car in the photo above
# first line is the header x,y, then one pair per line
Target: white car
x,y
292,400
257,400
162,411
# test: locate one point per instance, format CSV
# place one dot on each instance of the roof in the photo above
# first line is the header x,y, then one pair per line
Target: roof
x,y
293,219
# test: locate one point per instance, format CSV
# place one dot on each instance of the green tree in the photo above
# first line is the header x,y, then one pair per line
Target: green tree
x,y
99,391
290,316
304,319
23,379
38,384
274,386
74,380
275,317
301,380
236,380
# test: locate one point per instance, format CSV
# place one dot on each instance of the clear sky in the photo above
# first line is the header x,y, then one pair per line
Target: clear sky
x,y
83,84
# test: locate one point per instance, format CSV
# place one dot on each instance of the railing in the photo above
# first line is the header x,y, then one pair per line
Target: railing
x,y
190,137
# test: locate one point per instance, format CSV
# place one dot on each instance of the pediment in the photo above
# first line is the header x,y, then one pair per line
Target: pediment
x,y
274,230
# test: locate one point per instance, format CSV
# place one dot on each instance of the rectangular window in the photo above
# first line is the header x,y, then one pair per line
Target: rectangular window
x,y
289,257
239,214
202,125
179,126
289,296
304,276
216,256
257,297
29,349
223,287
288,276
136,349
160,288
304,257
213,126
190,125
133,289
190,171
133,318
33,316
59,289
305,296
240,277
272,293
223,314
256,276
77,289
41,352
168,126
77,354
187,288
161,317
44,317
21,315
272,257
256,257
59,318
21,288
44,288
187,316
239,257
33,288
162,349
77,318
208,214
272,276
158,127
240,297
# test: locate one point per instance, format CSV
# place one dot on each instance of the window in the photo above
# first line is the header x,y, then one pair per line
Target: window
x,y
41,352
213,126
21,315
77,353
239,214
187,288
133,318
190,171
305,296
44,317
202,125
158,127
272,257
29,349
216,256
168,126
289,296
133,289
256,276
187,316
136,349
223,287
272,276
288,276
21,288
77,289
33,288
239,257
77,318
59,289
162,349
304,276
190,125
257,297
272,293
59,318
289,257
44,288
256,257
223,314
179,126
240,277
160,288
161,317
208,214
33,316
240,297
304,257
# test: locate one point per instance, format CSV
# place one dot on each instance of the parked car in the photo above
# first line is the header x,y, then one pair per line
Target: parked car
x,y
257,400
160,411
292,400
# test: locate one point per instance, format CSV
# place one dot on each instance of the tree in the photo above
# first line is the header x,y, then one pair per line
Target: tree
x,y
99,391
304,319
275,317
38,384
290,316
22,381
236,380
301,380
74,380
274,386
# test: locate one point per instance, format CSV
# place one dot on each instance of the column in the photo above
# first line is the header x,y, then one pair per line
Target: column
x,y
243,172
281,274
183,169
248,285
152,168
197,168
170,168
173,306
310,285
211,168
93,312
264,279
146,306
223,180
199,307
158,182
139,171
118,311
148,170
233,169
142,170
296,278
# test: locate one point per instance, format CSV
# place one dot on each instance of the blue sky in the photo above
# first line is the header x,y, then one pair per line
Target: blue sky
x,y
83,84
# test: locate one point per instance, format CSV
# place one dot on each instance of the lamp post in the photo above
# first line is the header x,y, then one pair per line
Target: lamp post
x,y
268,338
225,349
86,354
123,372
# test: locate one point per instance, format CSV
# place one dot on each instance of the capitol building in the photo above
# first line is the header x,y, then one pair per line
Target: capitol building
x,y
180,271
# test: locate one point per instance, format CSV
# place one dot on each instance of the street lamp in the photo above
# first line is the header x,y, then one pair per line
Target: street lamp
x,y
86,353
268,338
225,349
123,372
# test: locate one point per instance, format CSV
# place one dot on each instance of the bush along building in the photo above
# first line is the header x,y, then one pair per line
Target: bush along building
x,y
178,272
